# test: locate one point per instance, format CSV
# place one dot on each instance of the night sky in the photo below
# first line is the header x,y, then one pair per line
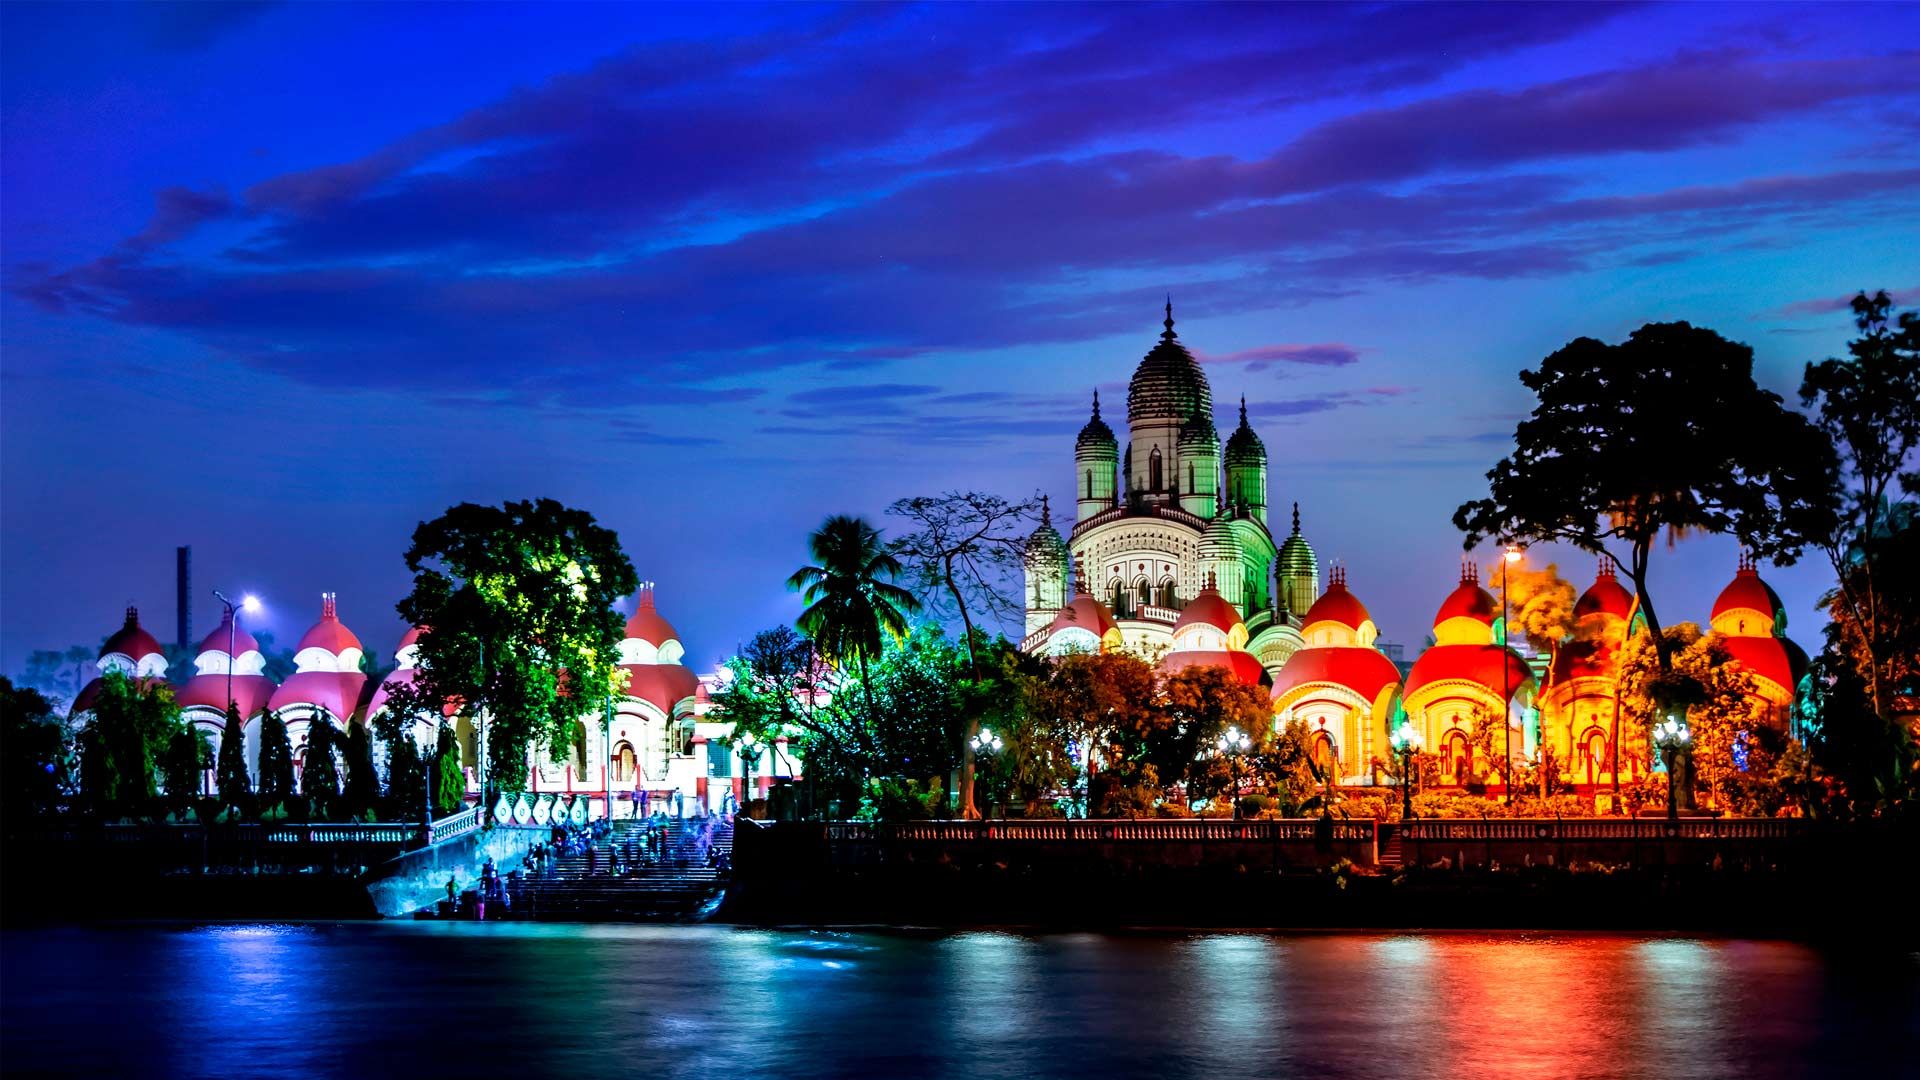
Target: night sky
x,y
282,281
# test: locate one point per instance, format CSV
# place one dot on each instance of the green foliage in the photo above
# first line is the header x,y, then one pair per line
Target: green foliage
x,y
1666,432
35,758
320,770
186,758
1868,404
230,778
449,782
122,747
406,775
275,784
362,789
60,674
853,606
515,595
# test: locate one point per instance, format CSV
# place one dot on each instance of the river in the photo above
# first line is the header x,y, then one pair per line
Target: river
x,y
517,999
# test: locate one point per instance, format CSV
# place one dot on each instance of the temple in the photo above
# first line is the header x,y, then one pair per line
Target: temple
x,y
658,754
1171,557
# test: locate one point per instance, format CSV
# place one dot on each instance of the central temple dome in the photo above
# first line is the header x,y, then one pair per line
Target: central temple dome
x,y
1168,384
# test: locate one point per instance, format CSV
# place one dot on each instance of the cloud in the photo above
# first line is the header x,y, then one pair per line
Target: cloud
x,y
178,211
1261,357
1827,305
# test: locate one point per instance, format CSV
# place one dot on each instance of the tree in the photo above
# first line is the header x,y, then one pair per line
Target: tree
x,y
230,778
1717,699
122,747
320,775
1539,602
34,754
275,784
449,782
853,606
362,788
965,556
406,776
519,597
1664,433
1094,699
1869,406
60,674
1196,706
187,756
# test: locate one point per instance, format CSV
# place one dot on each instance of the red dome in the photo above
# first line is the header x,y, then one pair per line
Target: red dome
x,y
1211,609
1366,672
1480,664
1766,657
1468,601
1243,665
1086,613
397,678
1606,596
664,685
411,637
1746,590
132,641
250,692
338,692
647,625
1338,605
329,633
243,642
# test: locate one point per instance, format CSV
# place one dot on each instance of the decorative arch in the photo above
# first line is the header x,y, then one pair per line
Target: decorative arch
x,y
626,763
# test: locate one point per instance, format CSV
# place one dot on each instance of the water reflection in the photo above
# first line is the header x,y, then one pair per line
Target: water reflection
x,y
429,1000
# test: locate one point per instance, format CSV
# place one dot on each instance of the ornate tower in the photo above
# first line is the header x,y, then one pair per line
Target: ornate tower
x,y
1046,571
1246,461
1298,570
1095,457
1199,480
1220,561
1168,392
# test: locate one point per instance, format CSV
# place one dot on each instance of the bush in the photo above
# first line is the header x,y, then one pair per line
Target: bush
x,y
1253,806
1171,810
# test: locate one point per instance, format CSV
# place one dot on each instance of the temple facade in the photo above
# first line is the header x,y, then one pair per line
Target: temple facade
x,y
655,750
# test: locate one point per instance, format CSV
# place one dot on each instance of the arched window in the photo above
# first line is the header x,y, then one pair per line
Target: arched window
x,y
1089,483
625,762
1119,605
1593,754
1166,593
1153,470
1190,485
1459,760
1323,754
1144,589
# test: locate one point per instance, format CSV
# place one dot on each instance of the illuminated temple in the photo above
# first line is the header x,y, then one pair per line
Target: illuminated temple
x,y
1171,557
660,751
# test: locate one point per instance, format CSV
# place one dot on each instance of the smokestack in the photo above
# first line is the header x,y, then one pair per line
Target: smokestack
x,y
183,595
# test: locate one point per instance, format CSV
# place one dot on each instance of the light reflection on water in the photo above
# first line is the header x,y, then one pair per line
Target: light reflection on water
x,y
411,999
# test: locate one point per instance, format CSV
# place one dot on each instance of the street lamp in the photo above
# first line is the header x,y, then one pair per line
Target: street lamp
x,y
249,604
1406,741
1672,736
1231,744
1511,556
983,743
749,754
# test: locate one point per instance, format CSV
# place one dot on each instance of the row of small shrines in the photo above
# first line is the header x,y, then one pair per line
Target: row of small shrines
x,y
1352,696
659,751
662,749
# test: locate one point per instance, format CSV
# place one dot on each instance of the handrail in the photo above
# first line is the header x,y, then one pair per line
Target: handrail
x,y
1120,830
1603,829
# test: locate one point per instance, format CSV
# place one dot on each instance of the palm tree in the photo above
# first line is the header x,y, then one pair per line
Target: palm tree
x,y
852,603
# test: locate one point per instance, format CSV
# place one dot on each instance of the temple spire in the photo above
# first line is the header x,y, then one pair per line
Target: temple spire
x,y
1296,519
1168,334
1096,403
1243,410
1046,513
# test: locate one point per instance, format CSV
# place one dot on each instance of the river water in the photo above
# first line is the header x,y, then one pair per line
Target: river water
x,y
515,999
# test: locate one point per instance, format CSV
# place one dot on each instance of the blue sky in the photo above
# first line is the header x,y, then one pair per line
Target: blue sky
x,y
280,281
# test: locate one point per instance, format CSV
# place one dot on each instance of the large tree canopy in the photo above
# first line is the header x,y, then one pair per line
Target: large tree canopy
x,y
1666,432
521,629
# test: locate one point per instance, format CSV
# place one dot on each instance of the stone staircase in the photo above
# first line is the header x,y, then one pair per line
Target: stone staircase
x,y
677,884
1390,854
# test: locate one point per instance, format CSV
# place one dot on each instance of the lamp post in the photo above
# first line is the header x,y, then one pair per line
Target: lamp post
x,y
250,604
1671,736
983,743
749,753
1231,744
1406,741
1507,559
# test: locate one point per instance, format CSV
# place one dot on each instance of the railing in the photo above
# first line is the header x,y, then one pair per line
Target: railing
x,y
1604,829
352,832
1095,830
459,824
380,833
1156,613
